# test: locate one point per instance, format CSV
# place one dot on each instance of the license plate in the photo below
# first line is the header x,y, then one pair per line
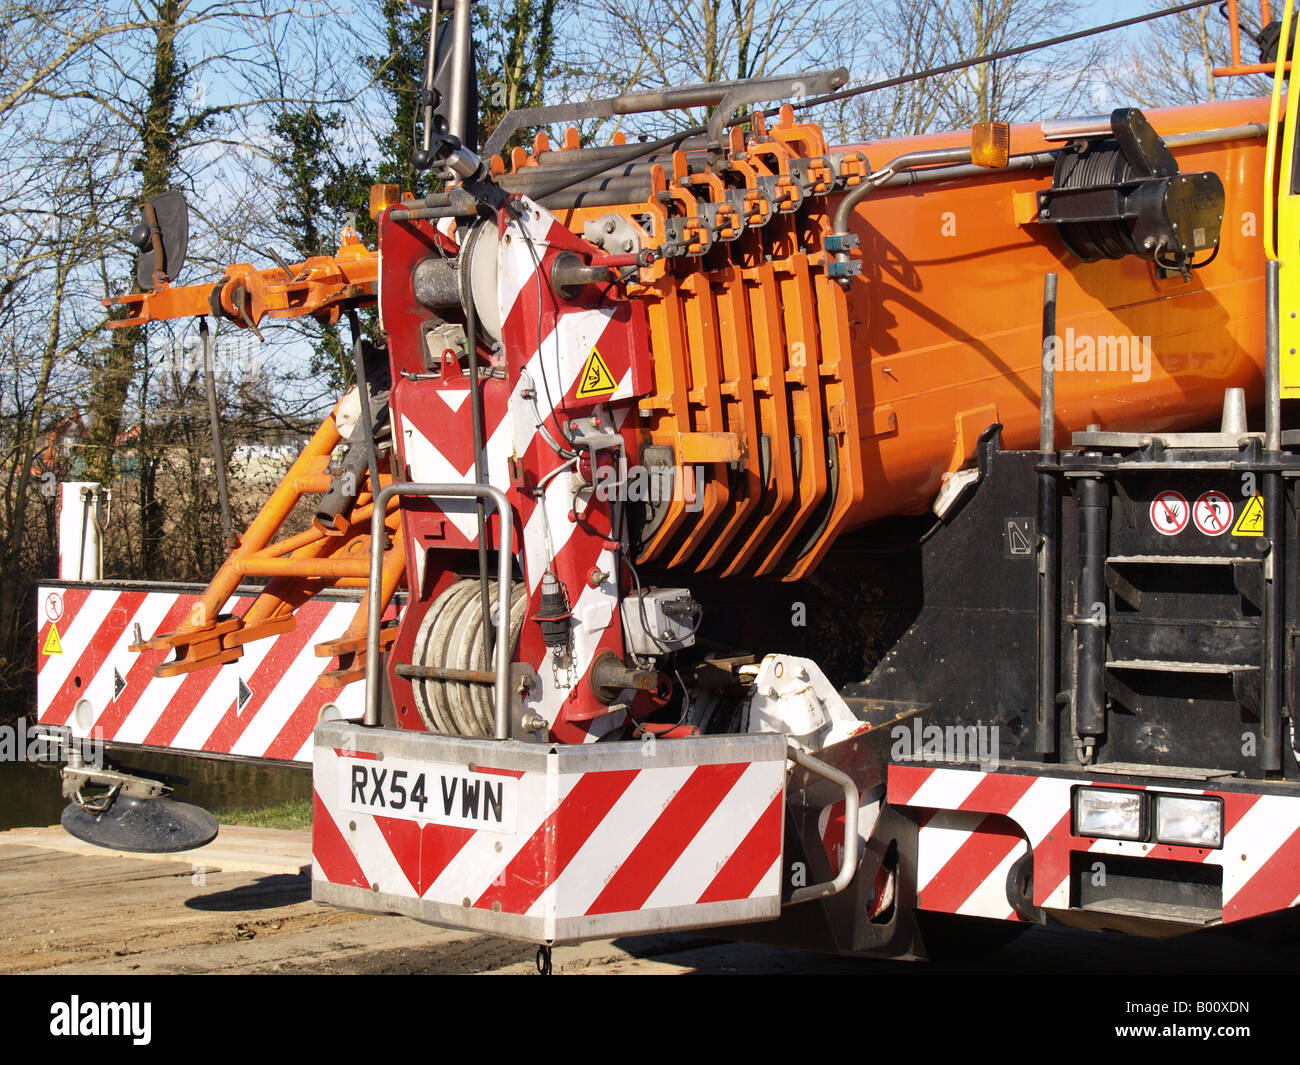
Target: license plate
x,y
420,791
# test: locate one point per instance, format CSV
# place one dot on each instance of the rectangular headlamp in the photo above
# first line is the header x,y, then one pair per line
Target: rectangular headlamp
x,y
1109,814
1189,821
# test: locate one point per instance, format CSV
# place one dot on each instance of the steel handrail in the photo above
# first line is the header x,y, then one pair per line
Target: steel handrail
x,y
849,860
501,687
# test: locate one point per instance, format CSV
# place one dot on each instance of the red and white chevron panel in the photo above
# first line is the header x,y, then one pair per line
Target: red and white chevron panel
x,y
975,824
264,705
545,844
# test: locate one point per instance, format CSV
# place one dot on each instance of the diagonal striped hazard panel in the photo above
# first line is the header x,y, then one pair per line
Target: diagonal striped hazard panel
x,y
546,843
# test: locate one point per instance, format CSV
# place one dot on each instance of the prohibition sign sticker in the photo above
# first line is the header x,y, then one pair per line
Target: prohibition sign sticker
x,y
1213,513
1169,513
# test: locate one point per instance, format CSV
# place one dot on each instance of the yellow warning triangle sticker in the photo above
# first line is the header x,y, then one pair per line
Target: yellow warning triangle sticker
x,y
596,380
1251,521
52,645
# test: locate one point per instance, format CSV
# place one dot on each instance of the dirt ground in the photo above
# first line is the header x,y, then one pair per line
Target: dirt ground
x,y
67,908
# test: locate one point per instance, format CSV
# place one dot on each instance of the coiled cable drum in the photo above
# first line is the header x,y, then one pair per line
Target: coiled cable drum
x,y
451,637
1095,168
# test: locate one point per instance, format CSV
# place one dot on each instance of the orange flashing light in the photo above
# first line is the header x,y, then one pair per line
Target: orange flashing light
x,y
990,144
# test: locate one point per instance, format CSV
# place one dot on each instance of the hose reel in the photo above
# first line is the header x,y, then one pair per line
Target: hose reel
x,y
1116,191
451,637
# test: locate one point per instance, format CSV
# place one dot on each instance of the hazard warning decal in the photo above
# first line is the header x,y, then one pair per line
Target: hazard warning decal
x,y
596,380
52,646
1169,513
1213,513
1251,521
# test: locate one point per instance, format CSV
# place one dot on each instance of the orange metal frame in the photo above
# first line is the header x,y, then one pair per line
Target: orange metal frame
x,y
1237,67
298,567
323,286
323,556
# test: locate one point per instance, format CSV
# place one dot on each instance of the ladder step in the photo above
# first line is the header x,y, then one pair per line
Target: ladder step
x,y
1165,911
1177,560
1167,772
1156,665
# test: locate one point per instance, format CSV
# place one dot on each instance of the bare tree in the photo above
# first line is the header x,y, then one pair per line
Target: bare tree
x,y
910,36
625,48
1170,63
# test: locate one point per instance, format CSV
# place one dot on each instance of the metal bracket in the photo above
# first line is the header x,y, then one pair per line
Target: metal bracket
x,y
77,777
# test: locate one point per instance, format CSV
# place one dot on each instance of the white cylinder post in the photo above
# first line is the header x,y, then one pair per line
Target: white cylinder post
x,y
80,543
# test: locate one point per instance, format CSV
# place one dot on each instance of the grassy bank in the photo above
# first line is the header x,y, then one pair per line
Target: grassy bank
x,y
293,813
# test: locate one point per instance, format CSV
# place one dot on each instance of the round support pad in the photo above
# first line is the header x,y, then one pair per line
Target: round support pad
x,y
150,826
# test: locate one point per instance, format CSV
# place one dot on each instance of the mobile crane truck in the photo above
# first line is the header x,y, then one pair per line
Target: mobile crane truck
x,y
735,530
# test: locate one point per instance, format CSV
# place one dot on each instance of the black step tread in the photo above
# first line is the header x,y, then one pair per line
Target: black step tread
x,y
1159,665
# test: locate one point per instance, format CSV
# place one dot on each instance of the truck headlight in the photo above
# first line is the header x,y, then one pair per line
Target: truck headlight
x,y
1190,822
1112,814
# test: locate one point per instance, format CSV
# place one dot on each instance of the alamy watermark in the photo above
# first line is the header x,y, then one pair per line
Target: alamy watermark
x,y
918,742
652,484
1091,353
235,356
48,743
120,1019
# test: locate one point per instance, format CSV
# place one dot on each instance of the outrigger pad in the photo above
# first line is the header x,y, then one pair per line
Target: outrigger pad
x,y
150,826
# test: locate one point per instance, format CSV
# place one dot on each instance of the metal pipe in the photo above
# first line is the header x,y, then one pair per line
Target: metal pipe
x,y
445,210
363,393
523,180
600,168
1027,161
1048,533
707,93
601,183
86,500
567,201
505,513
1089,621
1070,128
556,156
849,861
1274,613
436,205
458,109
463,676
1274,618
429,59
932,156
1272,359
1035,160
218,443
478,433
1194,137
703,94
1047,400
929,157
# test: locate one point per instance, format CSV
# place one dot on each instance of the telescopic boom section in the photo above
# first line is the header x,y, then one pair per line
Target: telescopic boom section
x,y
323,285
